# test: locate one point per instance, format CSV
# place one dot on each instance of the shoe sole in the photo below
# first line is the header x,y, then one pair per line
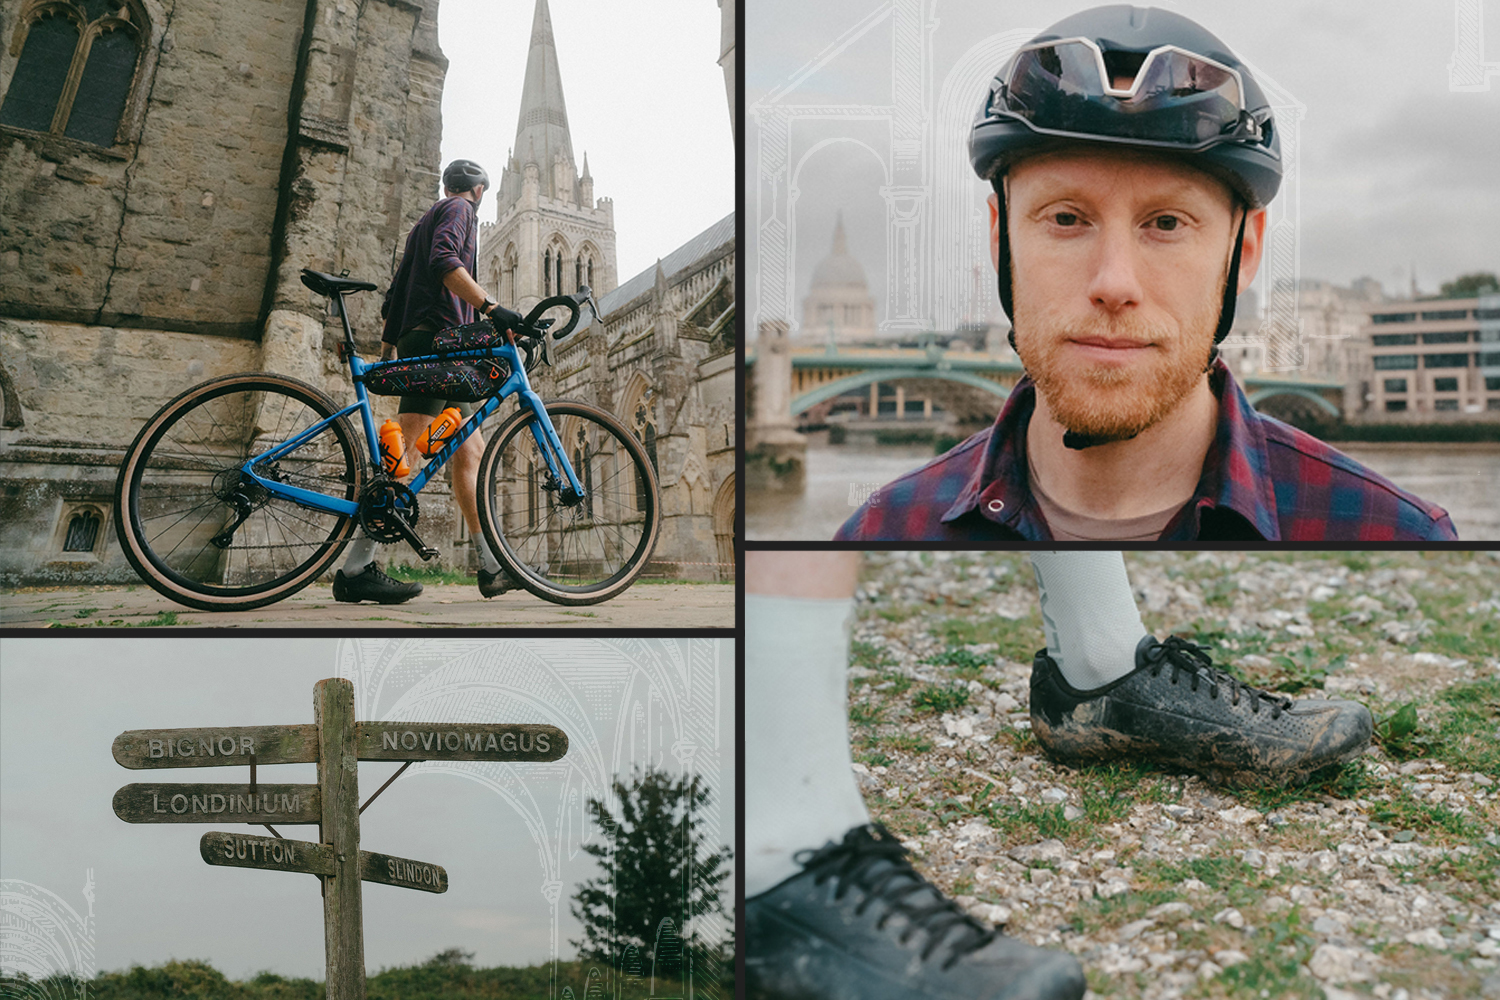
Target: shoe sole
x,y
1097,746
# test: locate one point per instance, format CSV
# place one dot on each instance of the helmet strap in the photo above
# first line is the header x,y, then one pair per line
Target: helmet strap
x,y
1231,286
1002,259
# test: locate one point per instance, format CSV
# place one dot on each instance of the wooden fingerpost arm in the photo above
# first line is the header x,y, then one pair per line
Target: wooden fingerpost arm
x,y
338,780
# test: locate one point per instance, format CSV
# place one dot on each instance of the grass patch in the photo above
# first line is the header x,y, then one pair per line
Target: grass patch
x,y
1304,669
869,656
906,743
1099,914
1024,824
1216,872
162,620
941,698
85,612
1279,952
963,662
866,714
1016,638
1467,731
434,575
1400,734
1432,819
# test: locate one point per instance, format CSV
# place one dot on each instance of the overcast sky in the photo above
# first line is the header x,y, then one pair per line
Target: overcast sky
x,y
63,701
1395,167
645,98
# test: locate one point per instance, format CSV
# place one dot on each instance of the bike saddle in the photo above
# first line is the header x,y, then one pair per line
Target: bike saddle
x,y
330,284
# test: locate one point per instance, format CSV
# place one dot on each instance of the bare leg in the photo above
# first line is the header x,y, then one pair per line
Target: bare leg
x,y
465,466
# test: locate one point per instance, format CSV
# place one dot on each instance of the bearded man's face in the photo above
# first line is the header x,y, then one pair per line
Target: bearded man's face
x,y
1119,261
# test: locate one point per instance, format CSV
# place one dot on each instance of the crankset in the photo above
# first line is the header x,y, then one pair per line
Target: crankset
x,y
388,512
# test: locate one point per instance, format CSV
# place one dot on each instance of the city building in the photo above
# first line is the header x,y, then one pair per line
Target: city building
x,y
1431,360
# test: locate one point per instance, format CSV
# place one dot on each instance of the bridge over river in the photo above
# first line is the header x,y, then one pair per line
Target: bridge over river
x,y
964,380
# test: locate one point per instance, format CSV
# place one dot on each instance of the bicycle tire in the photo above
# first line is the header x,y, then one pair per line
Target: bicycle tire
x,y
586,552
175,487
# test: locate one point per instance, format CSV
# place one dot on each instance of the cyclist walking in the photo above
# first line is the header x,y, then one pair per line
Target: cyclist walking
x,y
434,290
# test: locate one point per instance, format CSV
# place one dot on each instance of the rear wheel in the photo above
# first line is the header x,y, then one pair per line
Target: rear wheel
x,y
564,548
204,534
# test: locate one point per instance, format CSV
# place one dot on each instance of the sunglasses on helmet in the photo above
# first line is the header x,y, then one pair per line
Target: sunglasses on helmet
x,y
1177,99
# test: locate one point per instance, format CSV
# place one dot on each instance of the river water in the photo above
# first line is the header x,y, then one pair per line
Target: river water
x,y
1463,478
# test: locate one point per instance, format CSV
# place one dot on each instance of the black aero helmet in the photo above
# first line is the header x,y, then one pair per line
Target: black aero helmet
x,y
1189,95
464,175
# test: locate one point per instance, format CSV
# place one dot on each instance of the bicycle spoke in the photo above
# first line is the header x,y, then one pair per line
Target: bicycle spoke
x,y
187,486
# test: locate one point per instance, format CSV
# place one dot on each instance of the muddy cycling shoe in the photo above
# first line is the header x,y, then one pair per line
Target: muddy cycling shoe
x,y
1174,708
373,585
497,583
859,923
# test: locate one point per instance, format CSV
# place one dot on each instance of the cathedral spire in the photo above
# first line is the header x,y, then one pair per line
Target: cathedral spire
x,y
543,123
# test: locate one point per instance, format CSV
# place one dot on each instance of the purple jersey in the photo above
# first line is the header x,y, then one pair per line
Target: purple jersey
x,y
444,239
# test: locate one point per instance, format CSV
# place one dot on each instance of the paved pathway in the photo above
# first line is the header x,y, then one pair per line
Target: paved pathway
x,y
645,605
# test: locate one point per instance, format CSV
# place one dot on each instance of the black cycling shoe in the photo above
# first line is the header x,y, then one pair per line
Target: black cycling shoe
x,y
373,585
1175,708
495,584
858,923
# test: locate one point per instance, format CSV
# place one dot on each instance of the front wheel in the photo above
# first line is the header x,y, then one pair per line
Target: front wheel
x,y
564,548
204,534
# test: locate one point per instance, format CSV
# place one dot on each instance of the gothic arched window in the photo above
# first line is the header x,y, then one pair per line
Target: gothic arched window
x,y
83,531
591,272
547,273
508,279
559,271
78,62
578,274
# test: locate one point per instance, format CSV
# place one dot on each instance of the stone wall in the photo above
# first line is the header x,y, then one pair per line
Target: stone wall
x,y
268,136
168,230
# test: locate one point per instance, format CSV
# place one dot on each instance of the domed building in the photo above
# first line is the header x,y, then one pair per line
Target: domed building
x,y
838,308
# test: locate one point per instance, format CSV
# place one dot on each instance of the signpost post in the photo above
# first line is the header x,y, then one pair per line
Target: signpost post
x,y
336,743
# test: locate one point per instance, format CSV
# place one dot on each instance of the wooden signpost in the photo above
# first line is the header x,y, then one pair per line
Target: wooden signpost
x,y
335,742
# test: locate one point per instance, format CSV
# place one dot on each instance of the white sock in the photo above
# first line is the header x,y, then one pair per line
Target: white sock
x,y
1089,613
487,560
800,791
361,556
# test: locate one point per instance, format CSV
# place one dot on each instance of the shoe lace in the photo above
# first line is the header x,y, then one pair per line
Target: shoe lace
x,y
871,858
1190,658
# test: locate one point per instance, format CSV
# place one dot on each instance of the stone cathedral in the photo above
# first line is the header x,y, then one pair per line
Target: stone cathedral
x,y
664,360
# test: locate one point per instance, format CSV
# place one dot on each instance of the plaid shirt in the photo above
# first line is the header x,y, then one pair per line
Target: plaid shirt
x,y
1261,480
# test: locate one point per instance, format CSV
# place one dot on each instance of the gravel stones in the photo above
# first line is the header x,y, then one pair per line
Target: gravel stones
x,y
1062,859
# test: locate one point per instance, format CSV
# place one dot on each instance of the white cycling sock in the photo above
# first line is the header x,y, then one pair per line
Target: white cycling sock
x,y
1089,614
800,791
361,556
487,560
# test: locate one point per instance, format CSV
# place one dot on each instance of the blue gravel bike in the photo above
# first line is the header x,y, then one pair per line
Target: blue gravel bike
x,y
245,489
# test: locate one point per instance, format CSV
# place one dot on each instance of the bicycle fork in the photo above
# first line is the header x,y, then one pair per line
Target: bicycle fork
x,y
562,478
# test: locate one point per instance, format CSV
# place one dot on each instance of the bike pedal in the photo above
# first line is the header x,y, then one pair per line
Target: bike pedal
x,y
428,553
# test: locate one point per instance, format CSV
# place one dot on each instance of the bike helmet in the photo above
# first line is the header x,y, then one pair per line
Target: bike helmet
x,y
464,175
1189,96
